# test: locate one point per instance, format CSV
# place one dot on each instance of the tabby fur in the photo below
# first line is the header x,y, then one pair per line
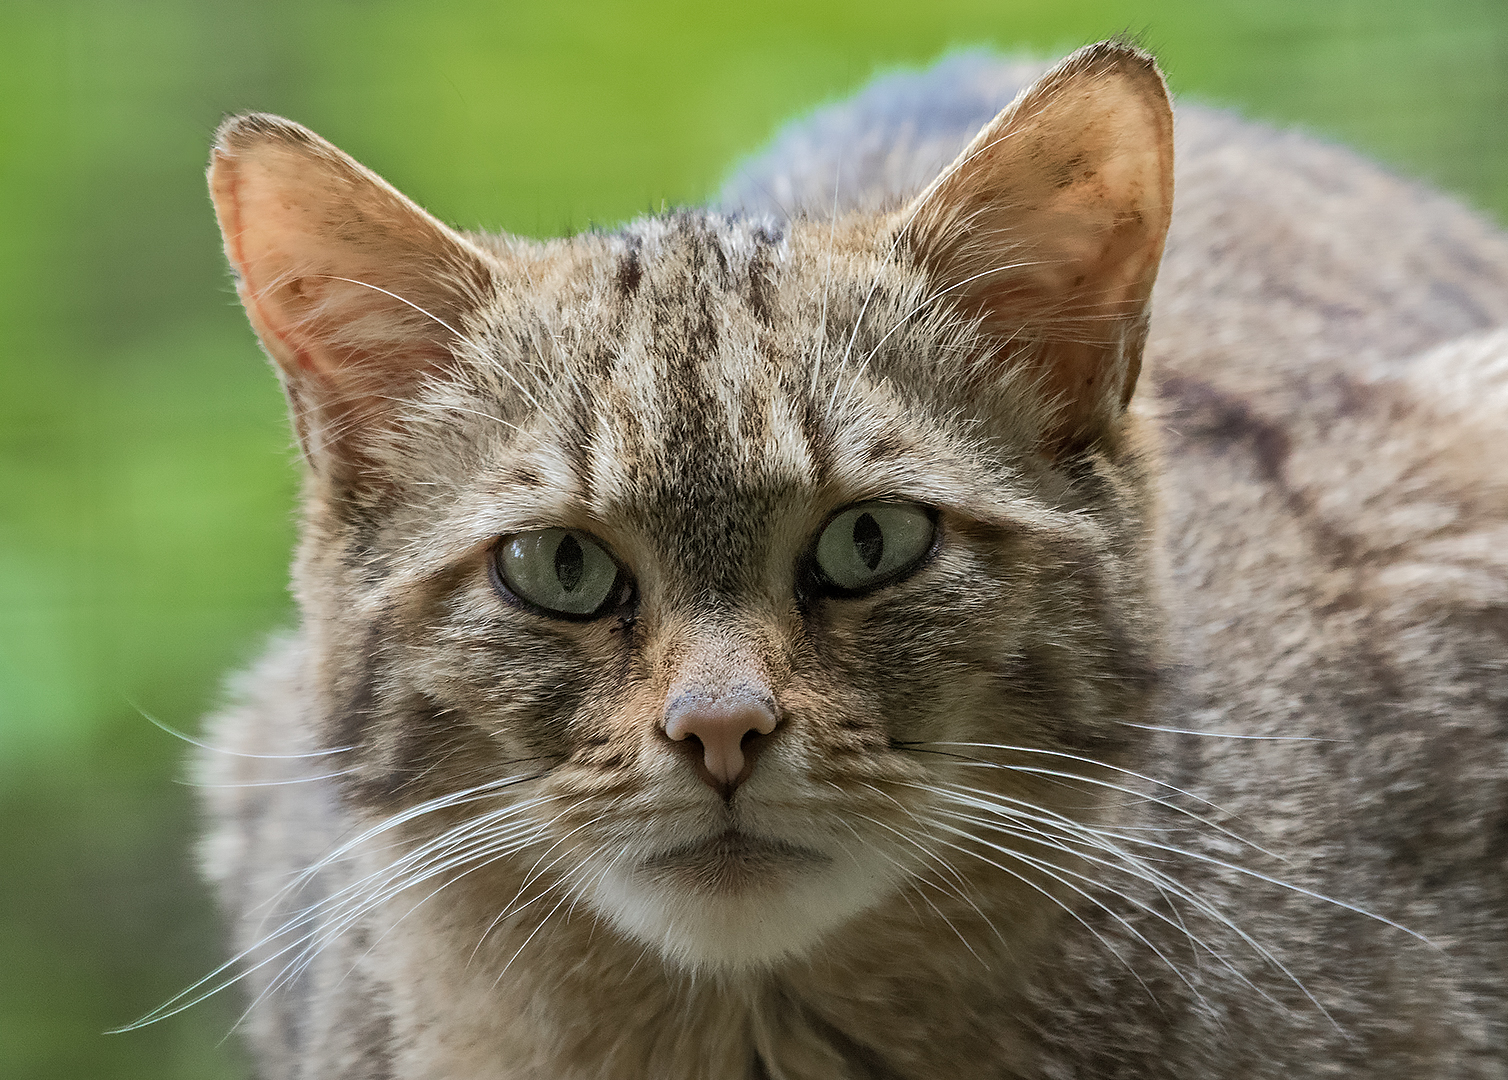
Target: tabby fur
x,y
1184,754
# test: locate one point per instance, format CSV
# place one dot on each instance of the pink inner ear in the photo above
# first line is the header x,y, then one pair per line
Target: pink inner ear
x,y
356,293
1050,226
307,285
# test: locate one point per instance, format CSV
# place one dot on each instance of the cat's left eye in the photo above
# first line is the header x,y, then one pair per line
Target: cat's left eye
x,y
563,572
872,544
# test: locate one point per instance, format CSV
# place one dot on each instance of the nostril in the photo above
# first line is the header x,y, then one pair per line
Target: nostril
x,y
720,727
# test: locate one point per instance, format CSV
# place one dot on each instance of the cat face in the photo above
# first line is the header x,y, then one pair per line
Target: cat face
x,y
703,573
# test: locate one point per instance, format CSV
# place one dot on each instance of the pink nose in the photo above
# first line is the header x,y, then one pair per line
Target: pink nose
x,y
723,724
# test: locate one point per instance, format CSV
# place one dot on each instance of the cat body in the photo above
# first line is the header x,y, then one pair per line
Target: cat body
x,y
1178,748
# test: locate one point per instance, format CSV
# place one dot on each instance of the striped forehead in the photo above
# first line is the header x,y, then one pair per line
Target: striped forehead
x,y
697,432
697,392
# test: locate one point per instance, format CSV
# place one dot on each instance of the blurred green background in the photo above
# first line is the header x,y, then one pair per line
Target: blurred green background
x,y
146,476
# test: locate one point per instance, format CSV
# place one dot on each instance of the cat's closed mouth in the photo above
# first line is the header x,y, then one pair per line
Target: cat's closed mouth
x,y
733,859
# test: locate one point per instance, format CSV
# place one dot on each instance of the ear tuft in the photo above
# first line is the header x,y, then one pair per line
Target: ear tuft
x,y
1049,228
356,293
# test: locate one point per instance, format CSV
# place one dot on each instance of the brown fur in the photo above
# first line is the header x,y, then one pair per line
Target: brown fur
x,y
992,851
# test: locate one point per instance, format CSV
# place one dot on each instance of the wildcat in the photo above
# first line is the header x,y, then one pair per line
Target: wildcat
x,y
864,631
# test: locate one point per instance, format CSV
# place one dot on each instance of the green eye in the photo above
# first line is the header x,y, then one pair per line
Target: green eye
x,y
873,543
562,571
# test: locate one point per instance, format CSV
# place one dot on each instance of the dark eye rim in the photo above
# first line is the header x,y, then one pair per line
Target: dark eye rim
x,y
819,583
620,597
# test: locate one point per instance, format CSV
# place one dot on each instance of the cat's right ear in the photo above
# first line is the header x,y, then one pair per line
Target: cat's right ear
x,y
356,293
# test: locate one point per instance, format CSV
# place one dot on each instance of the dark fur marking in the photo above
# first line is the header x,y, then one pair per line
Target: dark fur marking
x,y
396,742
864,1062
1214,416
630,271
1356,399
1209,415
546,679
884,448
368,1028
768,235
612,763
1497,840
758,1070
350,724
1069,172
424,739
818,438
361,555
761,287
578,440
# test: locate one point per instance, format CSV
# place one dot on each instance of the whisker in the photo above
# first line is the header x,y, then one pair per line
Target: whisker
x,y
1136,869
1161,882
908,812
529,878
480,854
952,892
362,895
1096,838
149,718
1059,903
269,783
1226,734
1043,752
1052,872
1096,782
536,930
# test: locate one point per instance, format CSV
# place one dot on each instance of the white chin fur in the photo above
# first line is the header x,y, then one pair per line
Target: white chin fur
x,y
746,928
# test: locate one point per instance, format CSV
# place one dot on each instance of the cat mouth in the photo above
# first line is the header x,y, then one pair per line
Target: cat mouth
x,y
734,859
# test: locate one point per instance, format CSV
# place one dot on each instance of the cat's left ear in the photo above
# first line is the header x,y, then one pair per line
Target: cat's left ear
x,y
356,293
1049,229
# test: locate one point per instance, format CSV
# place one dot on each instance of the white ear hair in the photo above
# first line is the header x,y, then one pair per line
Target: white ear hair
x,y
1049,228
355,292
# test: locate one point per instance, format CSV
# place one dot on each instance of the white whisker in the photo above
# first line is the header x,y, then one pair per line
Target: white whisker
x,y
234,753
1225,734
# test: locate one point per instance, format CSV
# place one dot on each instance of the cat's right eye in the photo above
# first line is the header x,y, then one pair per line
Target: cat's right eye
x,y
563,572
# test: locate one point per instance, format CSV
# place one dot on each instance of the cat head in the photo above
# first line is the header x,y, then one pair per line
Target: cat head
x,y
715,573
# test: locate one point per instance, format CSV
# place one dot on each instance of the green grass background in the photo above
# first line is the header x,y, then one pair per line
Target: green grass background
x,y
146,476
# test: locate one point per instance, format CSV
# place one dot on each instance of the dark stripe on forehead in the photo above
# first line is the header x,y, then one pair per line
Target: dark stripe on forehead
x,y
886,448
578,441
693,409
524,476
684,331
761,289
816,432
630,272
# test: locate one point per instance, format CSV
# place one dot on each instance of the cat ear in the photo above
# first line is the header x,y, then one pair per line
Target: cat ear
x,y
356,293
1049,228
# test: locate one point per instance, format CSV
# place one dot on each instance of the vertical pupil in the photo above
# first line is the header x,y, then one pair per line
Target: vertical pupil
x,y
569,562
868,539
